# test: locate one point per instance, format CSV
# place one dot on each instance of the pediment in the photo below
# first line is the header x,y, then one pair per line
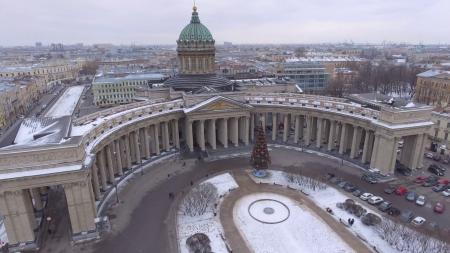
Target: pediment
x,y
218,104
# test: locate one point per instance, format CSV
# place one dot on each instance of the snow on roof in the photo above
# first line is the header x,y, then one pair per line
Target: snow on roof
x,y
66,103
38,172
433,73
203,103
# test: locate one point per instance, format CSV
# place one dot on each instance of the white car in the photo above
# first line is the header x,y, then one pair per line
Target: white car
x,y
375,200
366,196
420,200
429,155
418,221
446,193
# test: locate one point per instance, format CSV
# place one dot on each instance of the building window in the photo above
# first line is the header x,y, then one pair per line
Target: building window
x,y
446,136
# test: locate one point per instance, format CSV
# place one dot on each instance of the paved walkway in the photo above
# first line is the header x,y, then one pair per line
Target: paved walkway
x,y
248,186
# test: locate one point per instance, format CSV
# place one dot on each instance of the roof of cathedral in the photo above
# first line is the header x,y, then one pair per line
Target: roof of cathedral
x,y
195,31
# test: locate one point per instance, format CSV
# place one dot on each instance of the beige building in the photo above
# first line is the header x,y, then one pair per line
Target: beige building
x,y
49,72
433,88
109,91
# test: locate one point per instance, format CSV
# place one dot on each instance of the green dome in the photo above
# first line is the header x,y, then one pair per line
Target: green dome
x,y
195,31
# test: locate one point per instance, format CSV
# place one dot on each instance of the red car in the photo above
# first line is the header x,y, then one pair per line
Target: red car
x,y
443,181
439,207
420,179
401,190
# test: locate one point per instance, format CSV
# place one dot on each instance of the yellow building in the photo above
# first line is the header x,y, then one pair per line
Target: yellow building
x,y
433,88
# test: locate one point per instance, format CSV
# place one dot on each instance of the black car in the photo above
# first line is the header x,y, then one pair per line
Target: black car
x,y
393,211
357,192
384,206
440,187
407,216
389,190
411,196
431,181
369,179
349,187
402,169
436,170
329,176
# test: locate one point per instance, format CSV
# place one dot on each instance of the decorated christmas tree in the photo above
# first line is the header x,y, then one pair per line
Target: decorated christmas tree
x,y
260,158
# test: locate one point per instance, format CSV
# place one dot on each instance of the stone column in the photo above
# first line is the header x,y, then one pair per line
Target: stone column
x,y
343,141
384,153
136,146
246,130
286,127
224,132
331,135
36,195
319,133
176,134
252,126
101,167
296,128
301,127
146,144
308,130
212,134
17,210
201,134
263,121
365,154
109,159
165,136
156,138
119,157
274,126
81,206
355,143
412,151
235,131
189,136
128,151
95,183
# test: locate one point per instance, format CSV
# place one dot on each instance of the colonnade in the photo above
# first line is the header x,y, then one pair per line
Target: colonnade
x,y
131,149
227,131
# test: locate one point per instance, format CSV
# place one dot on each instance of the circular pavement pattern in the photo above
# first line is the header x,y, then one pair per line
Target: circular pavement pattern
x,y
269,211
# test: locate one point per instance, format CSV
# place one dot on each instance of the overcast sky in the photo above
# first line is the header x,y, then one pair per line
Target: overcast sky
x,y
23,22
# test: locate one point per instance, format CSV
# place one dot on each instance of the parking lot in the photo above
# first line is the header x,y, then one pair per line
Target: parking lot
x,y
436,223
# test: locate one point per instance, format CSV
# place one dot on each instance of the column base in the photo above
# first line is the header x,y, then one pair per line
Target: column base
x,y
85,236
24,246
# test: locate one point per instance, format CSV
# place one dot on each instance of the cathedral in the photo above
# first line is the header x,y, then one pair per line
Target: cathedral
x,y
196,60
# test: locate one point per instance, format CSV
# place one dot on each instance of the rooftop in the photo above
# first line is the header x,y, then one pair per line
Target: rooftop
x,y
437,73
130,77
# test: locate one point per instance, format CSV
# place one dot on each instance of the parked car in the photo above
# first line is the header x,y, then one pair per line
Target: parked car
x,y
401,190
402,169
443,181
446,193
375,200
421,200
436,157
429,155
349,187
418,221
435,170
389,190
431,181
439,207
411,196
393,211
329,176
357,192
385,206
366,196
336,180
342,184
369,179
440,187
420,179
406,216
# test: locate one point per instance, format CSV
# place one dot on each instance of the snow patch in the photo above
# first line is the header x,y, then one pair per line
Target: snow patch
x,y
66,103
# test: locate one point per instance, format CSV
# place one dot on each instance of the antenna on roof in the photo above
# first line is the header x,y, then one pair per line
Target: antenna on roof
x,y
195,6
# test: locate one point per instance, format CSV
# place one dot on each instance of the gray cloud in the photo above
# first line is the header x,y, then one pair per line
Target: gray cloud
x,y
251,21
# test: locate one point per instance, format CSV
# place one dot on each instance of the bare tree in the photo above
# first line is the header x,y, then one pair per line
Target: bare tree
x,y
305,182
199,199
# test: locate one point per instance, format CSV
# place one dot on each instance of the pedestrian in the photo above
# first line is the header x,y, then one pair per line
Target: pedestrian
x,y
168,175
349,221
192,183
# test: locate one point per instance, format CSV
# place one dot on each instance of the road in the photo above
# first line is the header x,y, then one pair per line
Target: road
x,y
45,102
143,221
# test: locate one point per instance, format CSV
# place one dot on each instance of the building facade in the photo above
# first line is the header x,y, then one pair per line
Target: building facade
x,y
309,76
49,72
109,91
433,88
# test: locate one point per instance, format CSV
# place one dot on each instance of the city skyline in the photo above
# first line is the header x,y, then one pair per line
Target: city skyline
x,y
265,21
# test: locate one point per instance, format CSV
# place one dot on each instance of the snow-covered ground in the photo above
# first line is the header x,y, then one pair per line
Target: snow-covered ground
x,y
207,223
3,236
66,103
301,232
328,198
